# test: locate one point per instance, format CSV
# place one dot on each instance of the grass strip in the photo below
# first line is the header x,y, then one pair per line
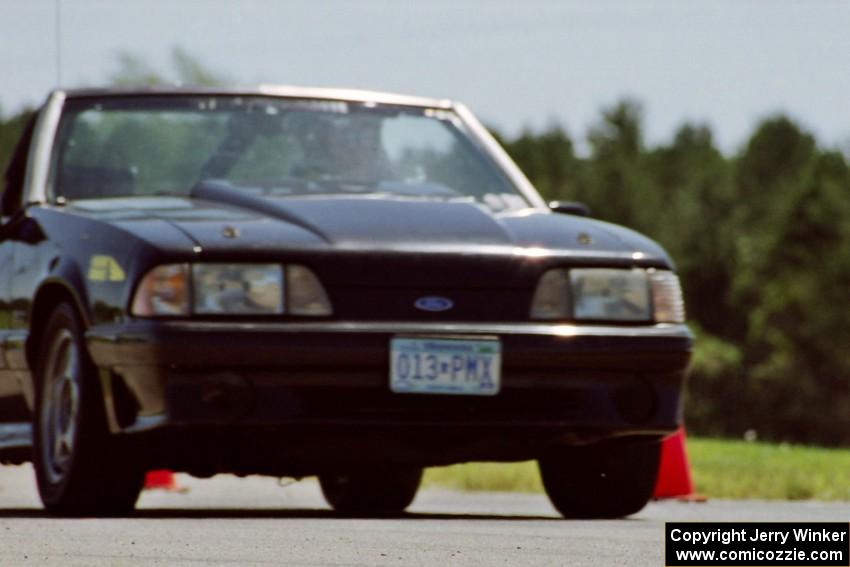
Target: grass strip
x,y
720,469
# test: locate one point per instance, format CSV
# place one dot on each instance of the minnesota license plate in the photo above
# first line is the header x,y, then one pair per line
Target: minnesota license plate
x,y
445,366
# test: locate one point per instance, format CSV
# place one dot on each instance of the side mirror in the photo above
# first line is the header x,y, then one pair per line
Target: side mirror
x,y
570,208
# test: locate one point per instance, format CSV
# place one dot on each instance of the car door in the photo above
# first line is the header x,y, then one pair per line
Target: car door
x,y
8,384
14,411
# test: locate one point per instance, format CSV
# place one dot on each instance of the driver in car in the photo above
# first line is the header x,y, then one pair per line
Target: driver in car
x,y
351,150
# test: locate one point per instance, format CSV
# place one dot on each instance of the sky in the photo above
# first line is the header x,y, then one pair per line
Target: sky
x,y
726,63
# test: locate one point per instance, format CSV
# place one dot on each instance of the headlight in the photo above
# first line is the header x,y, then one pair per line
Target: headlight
x,y
230,289
163,291
608,294
237,289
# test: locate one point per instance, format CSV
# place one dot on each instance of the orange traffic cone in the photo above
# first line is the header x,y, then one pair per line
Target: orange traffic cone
x,y
162,480
674,472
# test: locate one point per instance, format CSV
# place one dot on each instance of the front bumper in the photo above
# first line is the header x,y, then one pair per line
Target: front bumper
x,y
560,383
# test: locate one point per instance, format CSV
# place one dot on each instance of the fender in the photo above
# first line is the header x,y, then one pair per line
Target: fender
x,y
64,283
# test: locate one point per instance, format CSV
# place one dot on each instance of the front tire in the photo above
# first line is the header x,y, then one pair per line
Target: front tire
x,y
372,492
605,480
80,470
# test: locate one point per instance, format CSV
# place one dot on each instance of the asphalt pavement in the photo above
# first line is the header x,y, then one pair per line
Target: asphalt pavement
x,y
255,521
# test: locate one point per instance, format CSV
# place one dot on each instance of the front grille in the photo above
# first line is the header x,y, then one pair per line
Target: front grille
x,y
370,304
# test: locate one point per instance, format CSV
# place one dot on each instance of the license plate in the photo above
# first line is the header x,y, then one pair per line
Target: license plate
x,y
445,366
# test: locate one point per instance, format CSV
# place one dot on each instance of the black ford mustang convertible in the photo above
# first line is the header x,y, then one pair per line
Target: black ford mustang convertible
x,y
298,282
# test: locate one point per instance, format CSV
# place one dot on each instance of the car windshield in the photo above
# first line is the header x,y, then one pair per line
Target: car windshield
x,y
166,145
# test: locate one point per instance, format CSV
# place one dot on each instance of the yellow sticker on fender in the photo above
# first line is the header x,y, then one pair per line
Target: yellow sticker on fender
x,y
105,268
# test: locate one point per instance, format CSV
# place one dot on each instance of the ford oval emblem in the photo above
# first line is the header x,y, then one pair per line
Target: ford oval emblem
x,y
434,303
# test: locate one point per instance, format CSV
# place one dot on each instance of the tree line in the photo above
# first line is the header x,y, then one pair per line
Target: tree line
x,y
762,245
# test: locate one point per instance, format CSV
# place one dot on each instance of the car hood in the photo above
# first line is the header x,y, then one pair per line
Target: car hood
x,y
224,221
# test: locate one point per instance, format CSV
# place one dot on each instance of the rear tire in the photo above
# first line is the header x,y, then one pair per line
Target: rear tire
x,y
605,480
371,492
80,469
